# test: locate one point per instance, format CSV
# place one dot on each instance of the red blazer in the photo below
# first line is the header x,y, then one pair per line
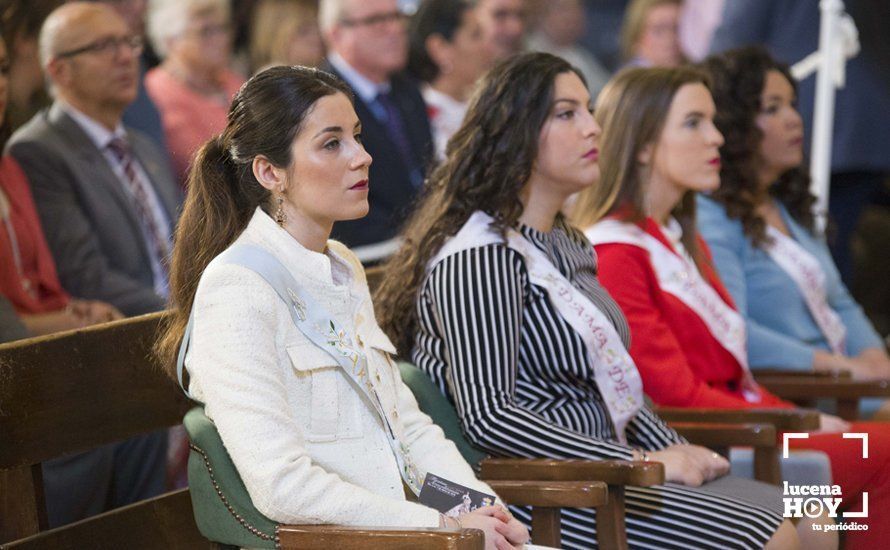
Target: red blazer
x,y
37,262
681,363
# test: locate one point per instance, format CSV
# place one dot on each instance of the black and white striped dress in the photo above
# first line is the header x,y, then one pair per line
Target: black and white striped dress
x,y
520,379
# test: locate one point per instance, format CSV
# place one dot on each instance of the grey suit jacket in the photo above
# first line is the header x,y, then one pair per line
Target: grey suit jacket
x,y
89,219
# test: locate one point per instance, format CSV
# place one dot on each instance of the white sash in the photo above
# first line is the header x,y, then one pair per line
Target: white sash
x,y
681,279
806,272
616,375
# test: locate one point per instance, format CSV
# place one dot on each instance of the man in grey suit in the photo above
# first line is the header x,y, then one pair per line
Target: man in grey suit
x,y
108,203
105,194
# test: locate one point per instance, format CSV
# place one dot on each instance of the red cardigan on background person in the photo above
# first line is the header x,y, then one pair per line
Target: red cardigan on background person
x,y
660,146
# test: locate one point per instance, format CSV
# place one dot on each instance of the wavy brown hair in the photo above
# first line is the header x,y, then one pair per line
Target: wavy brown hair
x,y
632,110
488,161
264,119
738,79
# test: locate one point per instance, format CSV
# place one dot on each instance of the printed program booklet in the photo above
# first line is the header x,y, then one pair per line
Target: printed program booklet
x,y
452,499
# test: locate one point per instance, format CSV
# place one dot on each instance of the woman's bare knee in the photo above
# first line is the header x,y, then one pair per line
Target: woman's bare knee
x,y
812,533
785,538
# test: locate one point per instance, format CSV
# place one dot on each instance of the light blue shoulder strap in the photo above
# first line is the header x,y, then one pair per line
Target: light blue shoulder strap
x,y
310,318
322,329
183,348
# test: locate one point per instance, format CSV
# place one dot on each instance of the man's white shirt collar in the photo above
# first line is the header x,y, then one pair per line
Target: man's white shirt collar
x,y
366,90
99,134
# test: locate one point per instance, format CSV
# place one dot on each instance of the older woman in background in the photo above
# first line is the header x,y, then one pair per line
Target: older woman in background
x,y
448,52
285,32
650,33
194,84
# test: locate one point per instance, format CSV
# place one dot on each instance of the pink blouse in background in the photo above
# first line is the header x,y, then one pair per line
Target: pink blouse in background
x,y
189,117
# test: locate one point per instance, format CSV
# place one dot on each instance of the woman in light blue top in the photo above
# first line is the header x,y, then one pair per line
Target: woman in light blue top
x,y
760,228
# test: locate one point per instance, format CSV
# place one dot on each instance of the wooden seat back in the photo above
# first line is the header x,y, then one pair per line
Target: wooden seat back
x,y
74,391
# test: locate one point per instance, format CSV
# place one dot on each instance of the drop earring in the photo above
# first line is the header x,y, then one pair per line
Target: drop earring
x,y
280,216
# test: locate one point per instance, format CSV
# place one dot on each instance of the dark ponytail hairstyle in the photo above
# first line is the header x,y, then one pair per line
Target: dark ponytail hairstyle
x,y
266,115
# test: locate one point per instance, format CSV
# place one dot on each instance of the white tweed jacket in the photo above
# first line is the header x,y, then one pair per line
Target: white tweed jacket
x,y
309,446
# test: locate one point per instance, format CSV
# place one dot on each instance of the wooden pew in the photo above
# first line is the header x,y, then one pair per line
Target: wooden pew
x,y
78,390
804,388
71,392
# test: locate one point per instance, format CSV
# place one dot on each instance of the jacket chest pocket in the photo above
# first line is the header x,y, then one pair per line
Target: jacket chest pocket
x,y
333,407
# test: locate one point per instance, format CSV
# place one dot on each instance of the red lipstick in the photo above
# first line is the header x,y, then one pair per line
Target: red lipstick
x,y
360,186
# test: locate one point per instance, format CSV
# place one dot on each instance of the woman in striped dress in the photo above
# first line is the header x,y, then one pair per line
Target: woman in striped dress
x,y
502,308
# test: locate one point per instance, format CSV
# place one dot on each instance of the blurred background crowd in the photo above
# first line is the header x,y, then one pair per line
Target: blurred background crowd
x,y
192,55
104,108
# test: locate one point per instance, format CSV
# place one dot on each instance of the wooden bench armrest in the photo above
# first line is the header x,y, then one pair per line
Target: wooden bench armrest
x,y
841,374
727,435
552,494
325,537
612,472
784,420
812,388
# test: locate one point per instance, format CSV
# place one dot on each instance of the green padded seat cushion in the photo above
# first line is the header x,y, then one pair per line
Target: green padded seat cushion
x,y
233,520
236,521
437,407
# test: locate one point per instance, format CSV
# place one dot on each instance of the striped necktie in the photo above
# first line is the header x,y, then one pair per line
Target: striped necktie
x,y
158,242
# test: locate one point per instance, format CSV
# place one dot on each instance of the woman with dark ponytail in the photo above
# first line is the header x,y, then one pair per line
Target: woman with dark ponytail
x,y
282,345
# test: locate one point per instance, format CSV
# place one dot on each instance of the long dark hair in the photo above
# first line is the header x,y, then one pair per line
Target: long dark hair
x,y
738,79
488,161
264,118
632,110
442,17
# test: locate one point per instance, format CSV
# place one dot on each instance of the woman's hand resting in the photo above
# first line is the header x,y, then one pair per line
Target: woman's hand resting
x,y
502,530
831,424
91,312
877,361
871,364
690,465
